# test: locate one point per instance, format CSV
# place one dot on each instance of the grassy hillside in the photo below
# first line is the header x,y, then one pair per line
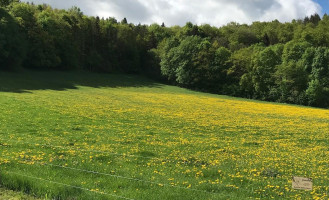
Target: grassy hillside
x,y
73,135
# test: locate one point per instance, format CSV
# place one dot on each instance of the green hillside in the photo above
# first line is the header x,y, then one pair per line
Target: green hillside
x,y
77,135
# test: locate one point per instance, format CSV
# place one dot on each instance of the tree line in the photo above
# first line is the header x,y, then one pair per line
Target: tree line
x,y
273,61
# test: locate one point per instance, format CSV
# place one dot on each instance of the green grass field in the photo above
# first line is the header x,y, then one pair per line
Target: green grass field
x,y
12,195
76,135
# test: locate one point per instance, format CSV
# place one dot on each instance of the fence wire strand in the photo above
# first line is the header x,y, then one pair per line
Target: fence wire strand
x,y
67,185
117,176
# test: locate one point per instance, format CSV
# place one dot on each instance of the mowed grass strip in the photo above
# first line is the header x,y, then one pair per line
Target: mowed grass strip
x,y
151,141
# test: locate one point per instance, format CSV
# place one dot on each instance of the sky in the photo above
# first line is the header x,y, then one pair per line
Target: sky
x,y
324,5
178,12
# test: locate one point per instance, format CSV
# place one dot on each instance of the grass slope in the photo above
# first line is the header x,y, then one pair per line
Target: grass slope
x,y
70,135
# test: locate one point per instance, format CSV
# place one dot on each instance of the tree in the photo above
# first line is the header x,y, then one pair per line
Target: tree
x,y
12,43
264,65
271,32
195,62
294,50
241,63
291,80
244,36
124,21
156,34
315,19
317,94
318,87
191,30
127,49
4,3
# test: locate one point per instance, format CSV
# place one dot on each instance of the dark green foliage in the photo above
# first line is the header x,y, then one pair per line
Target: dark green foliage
x,y
185,55
12,44
169,62
4,3
314,19
294,50
195,62
243,37
124,21
318,87
291,80
317,93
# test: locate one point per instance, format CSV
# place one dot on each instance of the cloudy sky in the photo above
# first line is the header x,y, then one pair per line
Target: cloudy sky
x,y
178,12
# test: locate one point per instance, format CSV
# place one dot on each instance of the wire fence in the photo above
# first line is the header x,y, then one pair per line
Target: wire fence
x,y
96,172
116,176
67,185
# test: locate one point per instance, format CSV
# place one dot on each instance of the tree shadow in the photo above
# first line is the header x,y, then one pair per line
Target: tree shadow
x,y
27,81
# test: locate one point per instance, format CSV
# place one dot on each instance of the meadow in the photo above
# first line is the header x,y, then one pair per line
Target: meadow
x,y
6,194
77,135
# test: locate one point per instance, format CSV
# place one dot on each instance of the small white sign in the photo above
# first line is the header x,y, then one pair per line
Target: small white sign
x,y
301,183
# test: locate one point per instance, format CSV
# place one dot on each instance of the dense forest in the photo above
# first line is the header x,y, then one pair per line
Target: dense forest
x,y
273,61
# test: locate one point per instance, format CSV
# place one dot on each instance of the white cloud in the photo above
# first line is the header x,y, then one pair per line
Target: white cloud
x,y
178,12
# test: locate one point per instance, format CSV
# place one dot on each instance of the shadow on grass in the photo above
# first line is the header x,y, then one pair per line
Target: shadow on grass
x,y
24,82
